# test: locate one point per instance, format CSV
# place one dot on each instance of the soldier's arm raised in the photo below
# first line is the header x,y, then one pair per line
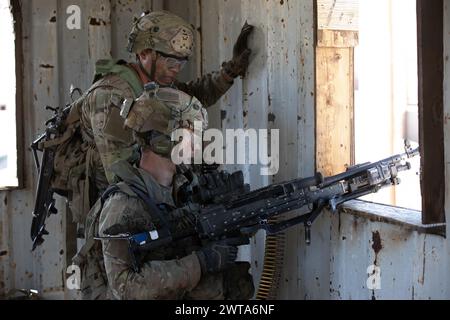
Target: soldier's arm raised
x,y
209,88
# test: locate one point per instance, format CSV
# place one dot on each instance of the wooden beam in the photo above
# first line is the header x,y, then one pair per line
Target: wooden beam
x,y
431,134
334,110
337,38
20,143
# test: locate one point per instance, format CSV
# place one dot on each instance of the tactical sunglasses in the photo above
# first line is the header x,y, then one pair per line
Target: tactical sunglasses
x,y
173,62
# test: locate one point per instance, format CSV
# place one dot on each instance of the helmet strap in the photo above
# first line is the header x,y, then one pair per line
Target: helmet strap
x,y
151,75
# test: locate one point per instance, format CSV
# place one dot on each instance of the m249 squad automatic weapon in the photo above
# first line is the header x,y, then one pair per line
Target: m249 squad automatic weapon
x,y
226,207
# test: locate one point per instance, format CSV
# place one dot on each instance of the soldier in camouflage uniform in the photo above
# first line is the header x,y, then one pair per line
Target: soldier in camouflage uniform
x,y
184,269
162,43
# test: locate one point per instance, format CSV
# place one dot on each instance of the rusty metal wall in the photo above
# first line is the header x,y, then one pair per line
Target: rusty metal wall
x,y
412,265
278,93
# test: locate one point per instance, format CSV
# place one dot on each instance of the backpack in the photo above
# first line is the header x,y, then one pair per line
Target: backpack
x,y
67,171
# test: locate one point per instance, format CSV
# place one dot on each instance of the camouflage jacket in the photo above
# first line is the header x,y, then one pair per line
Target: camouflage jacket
x,y
103,125
169,272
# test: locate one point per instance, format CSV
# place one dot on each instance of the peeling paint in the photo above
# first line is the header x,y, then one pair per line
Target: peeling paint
x,y
97,22
46,66
223,114
376,242
271,117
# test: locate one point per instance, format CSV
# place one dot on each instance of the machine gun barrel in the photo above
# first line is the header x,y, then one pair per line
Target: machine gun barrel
x,y
355,171
250,212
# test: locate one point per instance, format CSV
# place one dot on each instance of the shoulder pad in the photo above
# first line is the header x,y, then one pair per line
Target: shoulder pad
x,y
104,66
120,187
125,188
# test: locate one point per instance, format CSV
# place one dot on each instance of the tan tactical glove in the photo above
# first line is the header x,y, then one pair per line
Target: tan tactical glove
x,y
241,53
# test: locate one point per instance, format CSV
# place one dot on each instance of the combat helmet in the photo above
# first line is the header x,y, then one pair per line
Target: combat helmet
x,y
158,113
164,32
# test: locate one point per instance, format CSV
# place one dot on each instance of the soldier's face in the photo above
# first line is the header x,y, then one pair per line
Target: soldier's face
x,y
158,166
167,69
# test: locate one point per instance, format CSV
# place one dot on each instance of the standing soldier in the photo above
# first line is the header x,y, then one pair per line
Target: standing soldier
x,y
162,42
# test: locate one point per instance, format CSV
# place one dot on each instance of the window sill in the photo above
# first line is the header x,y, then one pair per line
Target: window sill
x,y
407,218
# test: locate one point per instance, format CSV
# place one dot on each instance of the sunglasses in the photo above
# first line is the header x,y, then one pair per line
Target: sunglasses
x,y
173,62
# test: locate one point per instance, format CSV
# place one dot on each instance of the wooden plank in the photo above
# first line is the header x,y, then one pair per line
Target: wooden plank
x,y
431,135
337,38
334,116
338,14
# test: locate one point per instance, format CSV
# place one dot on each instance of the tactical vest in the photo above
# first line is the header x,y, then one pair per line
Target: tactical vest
x,y
76,150
94,282
236,281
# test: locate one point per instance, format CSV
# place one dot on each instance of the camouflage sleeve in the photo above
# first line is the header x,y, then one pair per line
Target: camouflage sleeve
x,y
207,89
113,140
166,279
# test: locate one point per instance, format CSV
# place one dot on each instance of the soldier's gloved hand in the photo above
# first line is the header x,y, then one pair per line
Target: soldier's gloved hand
x,y
241,54
218,256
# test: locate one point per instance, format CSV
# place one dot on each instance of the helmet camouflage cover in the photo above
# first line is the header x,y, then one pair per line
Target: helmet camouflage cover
x,y
158,112
164,32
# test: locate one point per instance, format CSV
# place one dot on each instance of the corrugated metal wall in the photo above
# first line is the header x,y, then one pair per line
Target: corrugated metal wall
x,y
54,58
278,93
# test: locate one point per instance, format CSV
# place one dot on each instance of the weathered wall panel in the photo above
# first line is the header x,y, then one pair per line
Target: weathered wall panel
x,y
278,92
409,262
54,58
189,10
122,14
